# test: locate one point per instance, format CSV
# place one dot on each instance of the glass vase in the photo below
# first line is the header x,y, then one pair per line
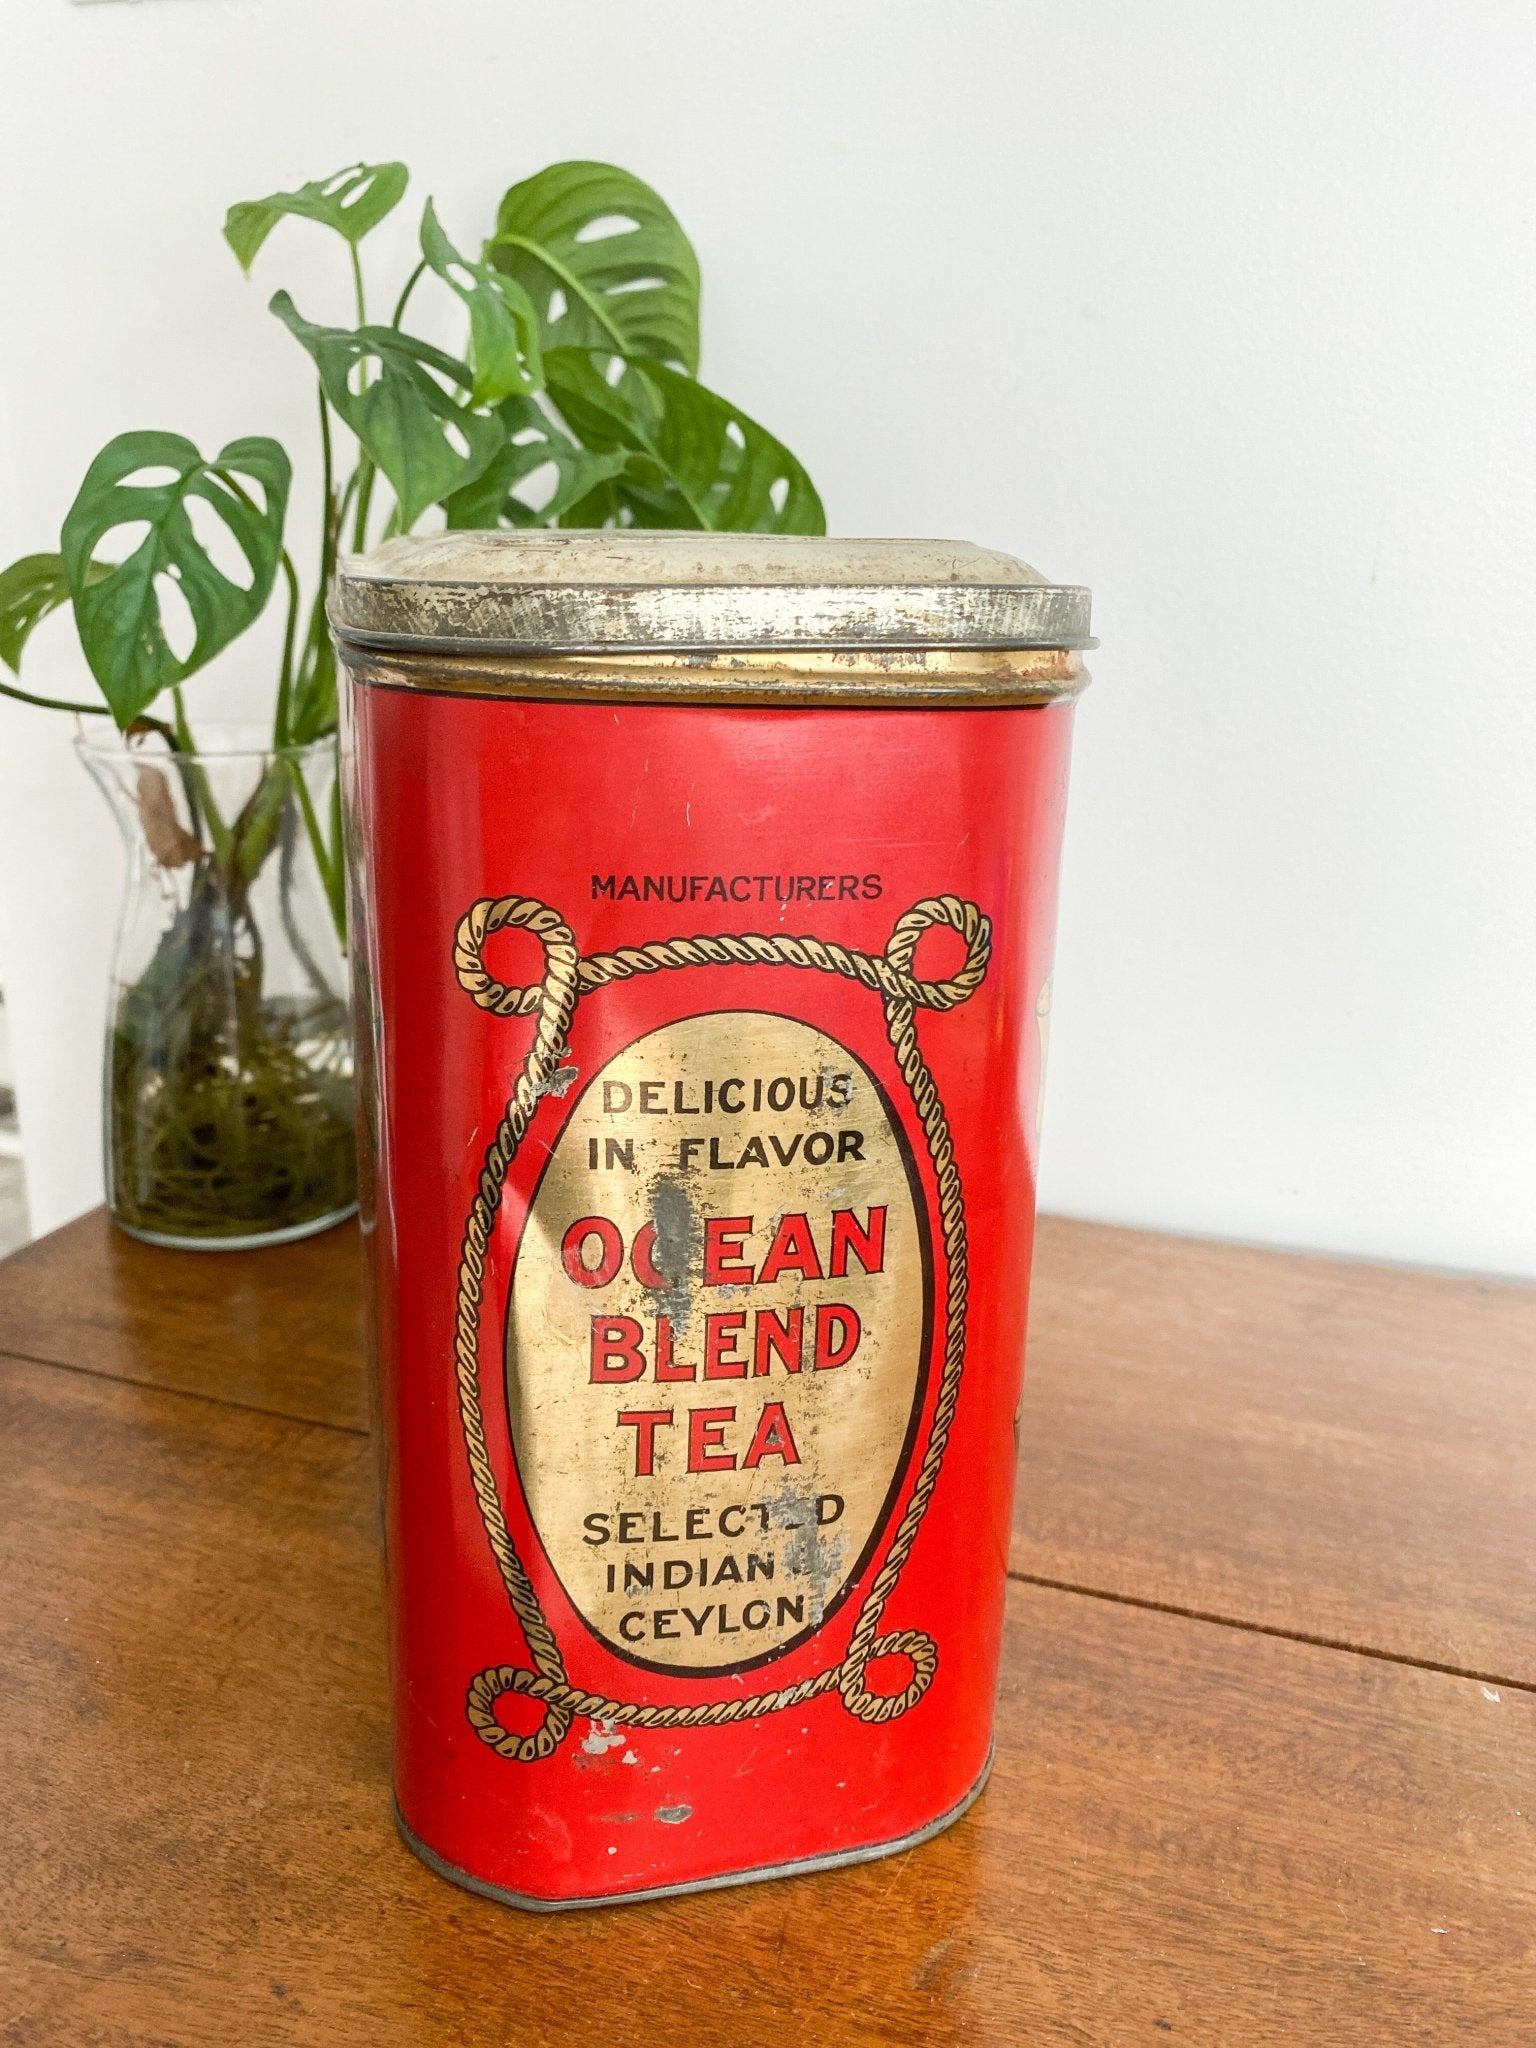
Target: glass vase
x,y
228,1111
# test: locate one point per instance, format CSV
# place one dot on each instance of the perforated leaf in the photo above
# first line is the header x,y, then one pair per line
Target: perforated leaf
x,y
635,291
533,439
694,458
29,590
503,326
151,479
352,202
405,418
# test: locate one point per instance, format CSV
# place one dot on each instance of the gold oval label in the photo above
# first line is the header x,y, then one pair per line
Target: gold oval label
x,y
717,1339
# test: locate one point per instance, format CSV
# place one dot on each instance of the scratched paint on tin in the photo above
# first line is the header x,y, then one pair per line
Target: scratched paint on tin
x,y
717,1339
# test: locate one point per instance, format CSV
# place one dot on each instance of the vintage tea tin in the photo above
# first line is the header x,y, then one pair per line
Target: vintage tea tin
x,y
703,897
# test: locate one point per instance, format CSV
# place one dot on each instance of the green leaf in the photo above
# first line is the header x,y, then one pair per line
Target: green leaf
x,y
29,590
352,202
694,458
404,418
119,614
532,440
633,293
503,326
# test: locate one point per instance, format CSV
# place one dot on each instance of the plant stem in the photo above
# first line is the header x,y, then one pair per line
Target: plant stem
x,y
196,781
185,744
331,518
144,723
53,703
344,500
365,472
410,285
309,713
330,866
357,285
285,678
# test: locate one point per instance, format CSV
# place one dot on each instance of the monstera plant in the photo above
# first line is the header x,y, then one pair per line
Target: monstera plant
x,y
575,401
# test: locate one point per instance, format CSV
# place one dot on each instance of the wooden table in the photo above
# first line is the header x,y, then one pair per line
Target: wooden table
x,y
1267,1737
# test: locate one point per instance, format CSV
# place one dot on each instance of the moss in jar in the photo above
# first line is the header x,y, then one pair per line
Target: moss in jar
x,y
230,1112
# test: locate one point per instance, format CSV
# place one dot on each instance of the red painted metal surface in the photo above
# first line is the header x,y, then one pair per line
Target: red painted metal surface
x,y
573,1773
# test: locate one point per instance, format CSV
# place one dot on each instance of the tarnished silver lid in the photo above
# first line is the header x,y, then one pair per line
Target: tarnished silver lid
x,y
608,591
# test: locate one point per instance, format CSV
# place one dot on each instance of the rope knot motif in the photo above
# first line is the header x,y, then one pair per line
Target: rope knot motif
x,y
569,975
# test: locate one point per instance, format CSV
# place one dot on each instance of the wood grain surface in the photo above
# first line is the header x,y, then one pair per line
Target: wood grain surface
x,y
1327,1449
279,1329
1194,1832
1337,1450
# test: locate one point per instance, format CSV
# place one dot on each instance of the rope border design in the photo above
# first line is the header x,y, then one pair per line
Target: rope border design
x,y
567,977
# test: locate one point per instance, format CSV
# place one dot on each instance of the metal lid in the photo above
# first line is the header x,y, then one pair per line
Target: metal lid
x,y
610,590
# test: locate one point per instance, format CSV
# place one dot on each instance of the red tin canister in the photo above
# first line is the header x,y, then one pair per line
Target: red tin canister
x,y
704,889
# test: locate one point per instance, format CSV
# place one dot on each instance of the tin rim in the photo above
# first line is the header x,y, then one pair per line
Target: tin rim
x,y
627,590
706,618
789,677
804,1866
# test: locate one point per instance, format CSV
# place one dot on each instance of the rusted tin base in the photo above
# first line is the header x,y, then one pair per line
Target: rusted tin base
x,y
802,1868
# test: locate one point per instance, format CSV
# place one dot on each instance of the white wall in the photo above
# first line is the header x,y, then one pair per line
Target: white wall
x,y
1222,307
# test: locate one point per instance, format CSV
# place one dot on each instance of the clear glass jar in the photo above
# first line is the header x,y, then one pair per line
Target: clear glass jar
x,y
228,1110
